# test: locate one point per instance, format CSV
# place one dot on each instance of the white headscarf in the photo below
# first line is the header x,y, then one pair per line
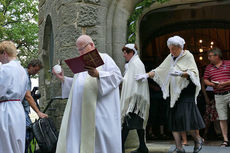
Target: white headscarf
x,y
176,40
131,46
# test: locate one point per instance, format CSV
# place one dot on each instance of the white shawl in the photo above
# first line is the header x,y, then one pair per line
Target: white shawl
x,y
135,94
185,63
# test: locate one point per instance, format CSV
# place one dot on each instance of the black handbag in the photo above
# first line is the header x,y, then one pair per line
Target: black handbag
x,y
45,134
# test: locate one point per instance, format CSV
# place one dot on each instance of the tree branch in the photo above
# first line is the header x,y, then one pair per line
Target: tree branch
x,y
6,7
15,22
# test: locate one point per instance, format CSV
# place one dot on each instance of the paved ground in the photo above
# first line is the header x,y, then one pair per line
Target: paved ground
x,y
168,146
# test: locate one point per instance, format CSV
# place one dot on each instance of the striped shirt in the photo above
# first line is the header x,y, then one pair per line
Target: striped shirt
x,y
220,74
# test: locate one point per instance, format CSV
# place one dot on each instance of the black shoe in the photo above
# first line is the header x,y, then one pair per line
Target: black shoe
x,y
198,145
179,150
225,144
141,150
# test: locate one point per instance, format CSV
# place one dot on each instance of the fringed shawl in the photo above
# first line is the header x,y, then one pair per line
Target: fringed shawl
x,y
135,94
176,84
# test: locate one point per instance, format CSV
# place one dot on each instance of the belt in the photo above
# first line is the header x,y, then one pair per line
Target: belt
x,y
1,101
223,93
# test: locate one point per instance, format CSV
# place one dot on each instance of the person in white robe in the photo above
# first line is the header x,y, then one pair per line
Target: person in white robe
x,y
134,98
91,121
13,81
179,80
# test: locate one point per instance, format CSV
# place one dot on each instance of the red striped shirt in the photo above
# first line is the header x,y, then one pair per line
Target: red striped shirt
x,y
221,74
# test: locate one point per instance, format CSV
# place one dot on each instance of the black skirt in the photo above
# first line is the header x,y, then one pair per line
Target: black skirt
x,y
185,116
133,121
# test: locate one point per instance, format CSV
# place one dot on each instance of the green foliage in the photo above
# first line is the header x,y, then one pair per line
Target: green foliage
x,y
135,15
33,144
18,20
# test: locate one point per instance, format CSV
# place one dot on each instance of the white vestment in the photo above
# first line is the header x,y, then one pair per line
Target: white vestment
x,y
135,94
13,81
107,117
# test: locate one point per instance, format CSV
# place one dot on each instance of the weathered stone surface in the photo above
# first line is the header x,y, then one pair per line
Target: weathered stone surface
x,y
41,15
106,3
41,3
88,16
67,52
67,35
56,111
98,35
68,13
61,3
102,19
92,1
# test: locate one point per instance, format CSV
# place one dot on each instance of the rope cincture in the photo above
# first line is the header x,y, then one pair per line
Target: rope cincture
x,y
1,101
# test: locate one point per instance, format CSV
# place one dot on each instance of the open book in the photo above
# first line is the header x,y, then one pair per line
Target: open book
x,y
92,59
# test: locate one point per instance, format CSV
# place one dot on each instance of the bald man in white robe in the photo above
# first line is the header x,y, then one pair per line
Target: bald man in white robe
x,y
91,122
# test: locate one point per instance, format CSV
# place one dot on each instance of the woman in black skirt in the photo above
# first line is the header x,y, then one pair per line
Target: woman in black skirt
x,y
179,80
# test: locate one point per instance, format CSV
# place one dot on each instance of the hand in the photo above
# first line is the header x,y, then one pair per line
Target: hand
x,y
176,73
141,77
57,68
220,85
60,76
207,100
42,115
92,71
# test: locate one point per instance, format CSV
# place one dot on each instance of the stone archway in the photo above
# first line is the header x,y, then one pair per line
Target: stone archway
x,y
116,31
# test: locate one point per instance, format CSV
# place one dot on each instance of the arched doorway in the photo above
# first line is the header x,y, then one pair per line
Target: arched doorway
x,y
198,41
202,25
47,57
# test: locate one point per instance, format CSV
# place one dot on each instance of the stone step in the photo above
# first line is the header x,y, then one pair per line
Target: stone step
x,y
168,147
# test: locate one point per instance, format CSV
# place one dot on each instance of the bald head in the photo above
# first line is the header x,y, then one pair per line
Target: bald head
x,y
84,39
84,44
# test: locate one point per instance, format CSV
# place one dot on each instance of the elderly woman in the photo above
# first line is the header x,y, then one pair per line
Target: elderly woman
x,y
13,81
179,80
134,98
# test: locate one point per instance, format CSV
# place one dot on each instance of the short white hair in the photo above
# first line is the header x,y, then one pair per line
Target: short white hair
x,y
176,41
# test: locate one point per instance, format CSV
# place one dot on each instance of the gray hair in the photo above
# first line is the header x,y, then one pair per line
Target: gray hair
x,y
35,62
216,51
176,41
